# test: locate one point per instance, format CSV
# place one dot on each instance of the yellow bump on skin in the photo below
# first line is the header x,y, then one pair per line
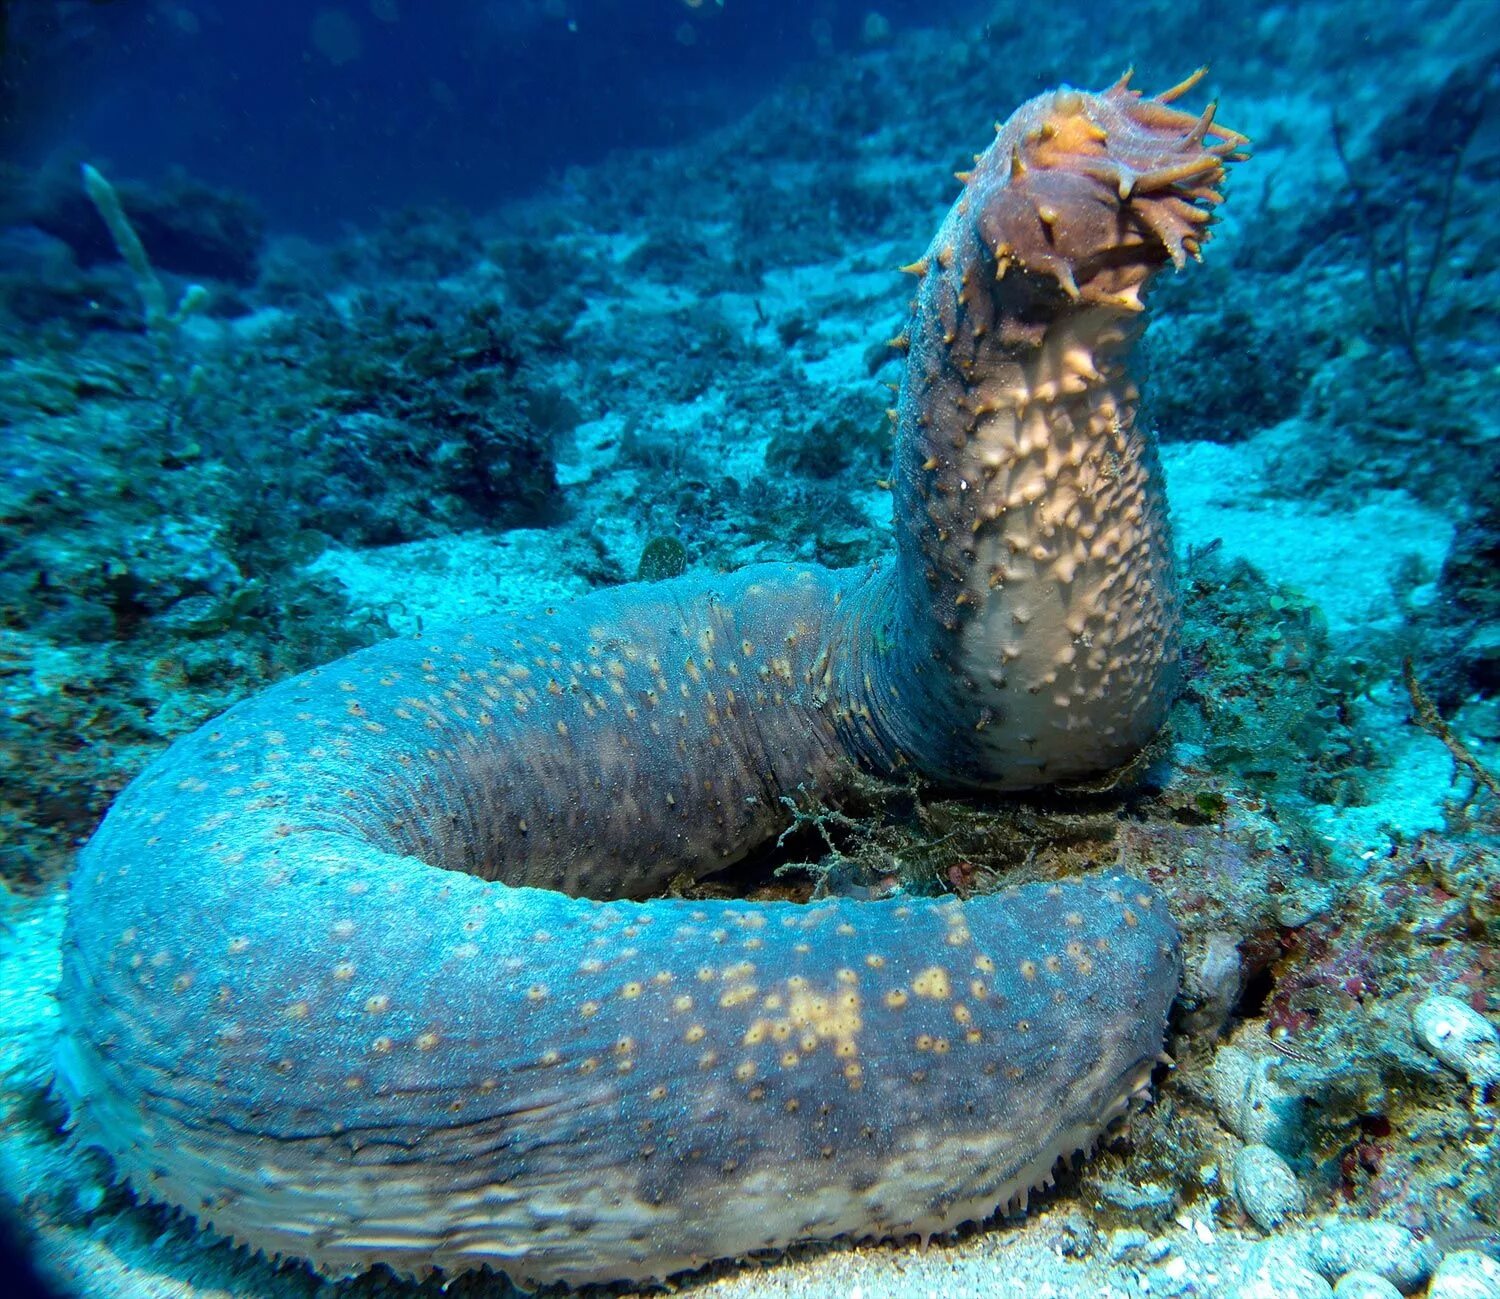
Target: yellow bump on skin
x,y
705,974
589,1009
1131,920
658,1093
985,964
924,1042
745,1070
978,990
381,1046
624,1045
932,982
682,1003
378,1003
846,976
548,1057
236,945
874,961
632,990
846,929
708,1059
896,998
940,1045
536,992
755,1034
298,1010
1028,970
695,1034
588,1065
427,1041
662,977
738,996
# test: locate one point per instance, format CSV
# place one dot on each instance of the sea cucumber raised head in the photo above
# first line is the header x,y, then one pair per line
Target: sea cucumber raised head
x,y
356,973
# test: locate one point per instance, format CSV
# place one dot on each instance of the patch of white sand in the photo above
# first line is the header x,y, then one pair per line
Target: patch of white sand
x,y
1346,561
424,584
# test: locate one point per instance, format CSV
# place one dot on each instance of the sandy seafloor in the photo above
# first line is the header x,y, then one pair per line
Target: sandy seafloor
x,y
1381,1132
1192,1252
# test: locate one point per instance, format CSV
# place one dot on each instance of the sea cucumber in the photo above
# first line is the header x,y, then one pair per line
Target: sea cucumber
x,y
359,973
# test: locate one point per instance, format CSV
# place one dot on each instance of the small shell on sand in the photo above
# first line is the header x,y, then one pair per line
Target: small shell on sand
x,y
1466,1274
1460,1037
1265,1186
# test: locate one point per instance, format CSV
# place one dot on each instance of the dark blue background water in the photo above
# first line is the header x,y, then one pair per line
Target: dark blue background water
x,y
326,111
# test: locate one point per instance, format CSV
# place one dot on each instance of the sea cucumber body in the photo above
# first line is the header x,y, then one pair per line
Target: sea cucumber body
x,y
351,1056
354,973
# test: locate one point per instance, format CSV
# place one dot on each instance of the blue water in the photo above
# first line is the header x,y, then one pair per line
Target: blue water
x,y
444,309
328,113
